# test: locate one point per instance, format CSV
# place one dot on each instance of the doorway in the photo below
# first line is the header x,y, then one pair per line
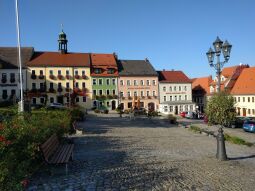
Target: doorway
x,y
60,99
244,112
176,110
113,105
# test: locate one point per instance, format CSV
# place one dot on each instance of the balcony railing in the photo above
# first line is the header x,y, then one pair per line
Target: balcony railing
x,y
67,89
77,77
60,89
33,76
60,77
84,77
4,80
41,77
52,77
12,80
68,77
52,90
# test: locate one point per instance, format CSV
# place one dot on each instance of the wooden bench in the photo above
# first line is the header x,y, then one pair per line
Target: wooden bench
x,y
56,153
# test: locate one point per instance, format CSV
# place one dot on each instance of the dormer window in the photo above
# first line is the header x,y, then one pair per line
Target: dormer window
x,y
110,71
98,70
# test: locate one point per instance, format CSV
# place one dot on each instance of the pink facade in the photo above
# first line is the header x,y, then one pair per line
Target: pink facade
x,y
139,92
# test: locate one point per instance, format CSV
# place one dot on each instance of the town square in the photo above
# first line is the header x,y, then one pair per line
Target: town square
x,y
127,95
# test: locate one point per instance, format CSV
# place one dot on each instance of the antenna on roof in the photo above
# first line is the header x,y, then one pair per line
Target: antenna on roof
x,y
62,27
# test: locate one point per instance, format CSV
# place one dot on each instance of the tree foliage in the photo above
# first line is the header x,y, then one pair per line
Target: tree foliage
x,y
220,109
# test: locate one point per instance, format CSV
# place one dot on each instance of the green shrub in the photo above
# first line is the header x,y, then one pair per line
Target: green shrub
x,y
195,128
126,111
172,119
77,114
106,111
20,138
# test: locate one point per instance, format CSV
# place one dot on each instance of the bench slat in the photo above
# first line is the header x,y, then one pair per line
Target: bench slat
x,y
50,146
63,154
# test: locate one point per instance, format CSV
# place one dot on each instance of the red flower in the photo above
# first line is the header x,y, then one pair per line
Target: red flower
x,y
24,183
2,139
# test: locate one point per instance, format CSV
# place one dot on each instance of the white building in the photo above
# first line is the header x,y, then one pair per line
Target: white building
x,y
175,92
244,93
9,72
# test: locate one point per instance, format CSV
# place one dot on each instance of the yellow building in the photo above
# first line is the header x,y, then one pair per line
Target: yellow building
x,y
60,77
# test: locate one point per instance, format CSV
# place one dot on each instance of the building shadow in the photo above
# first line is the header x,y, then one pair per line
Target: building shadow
x,y
240,158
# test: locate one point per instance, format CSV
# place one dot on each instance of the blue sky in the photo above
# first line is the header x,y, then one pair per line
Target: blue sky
x,y
172,34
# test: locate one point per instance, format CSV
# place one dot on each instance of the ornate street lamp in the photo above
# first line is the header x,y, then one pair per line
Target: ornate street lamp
x,y
225,49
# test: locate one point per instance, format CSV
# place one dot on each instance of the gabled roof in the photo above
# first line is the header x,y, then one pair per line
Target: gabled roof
x,y
245,84
228,71
56,59
136,68
103,60
202,83
9,56
173,77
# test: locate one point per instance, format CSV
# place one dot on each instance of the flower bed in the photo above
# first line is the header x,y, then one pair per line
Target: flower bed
x,y
20,138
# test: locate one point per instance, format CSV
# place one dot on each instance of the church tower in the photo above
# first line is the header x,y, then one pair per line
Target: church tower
x,y
62,42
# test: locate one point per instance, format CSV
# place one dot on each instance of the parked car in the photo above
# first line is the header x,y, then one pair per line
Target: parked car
x,y
189,115
183,114
56,106
249,125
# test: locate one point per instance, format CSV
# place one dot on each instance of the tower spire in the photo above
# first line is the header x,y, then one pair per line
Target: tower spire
x,y
62,41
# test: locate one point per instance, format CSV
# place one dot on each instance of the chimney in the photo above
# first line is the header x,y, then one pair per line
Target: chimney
x,y
146,60
115,55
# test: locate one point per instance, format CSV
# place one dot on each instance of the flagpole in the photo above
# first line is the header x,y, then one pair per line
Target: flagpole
x,y
21,106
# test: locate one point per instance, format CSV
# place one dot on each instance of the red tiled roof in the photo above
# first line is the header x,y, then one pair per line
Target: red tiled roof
x,y
103,60
203,82
245,84
173,77
228,71
57,59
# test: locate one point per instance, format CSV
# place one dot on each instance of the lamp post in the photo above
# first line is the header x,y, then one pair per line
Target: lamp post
x,y
225,49
120,108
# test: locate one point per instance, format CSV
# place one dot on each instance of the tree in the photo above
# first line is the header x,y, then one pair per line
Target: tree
x,y
220,109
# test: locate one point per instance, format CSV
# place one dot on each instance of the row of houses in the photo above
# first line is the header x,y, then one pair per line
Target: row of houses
x,y
105,81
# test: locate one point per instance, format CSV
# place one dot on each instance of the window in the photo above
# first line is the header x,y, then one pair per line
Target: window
x,y
51,72
185,97
107,92
76,72
181,108
113,92
175,98
128,94
33,72
180,97
77,99
164,98
185,88
4,76
170,88
94,82
84,98
98,70
186,107
100,82
128,82
51,86
83,85
107,81
4,95
164,88
67,99
67,85
141,93
129,104
77,84
83,72
41,72
121,94
154,82
141,82
12,77
135,83
148,93
171,98
252,99
147,82
248,99
67,72
42,100
33,86
171,108
238,99
154,93
41,86
59,72
59,85
235,99
34,100
165,108
113,81
243,99
121,82
253,111
110,71
180,88
51,99
100,92
174,88
135,93
191,107
13,92
108,104
94,92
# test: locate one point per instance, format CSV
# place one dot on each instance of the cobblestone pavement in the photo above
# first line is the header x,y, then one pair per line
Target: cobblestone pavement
x,y
143,154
